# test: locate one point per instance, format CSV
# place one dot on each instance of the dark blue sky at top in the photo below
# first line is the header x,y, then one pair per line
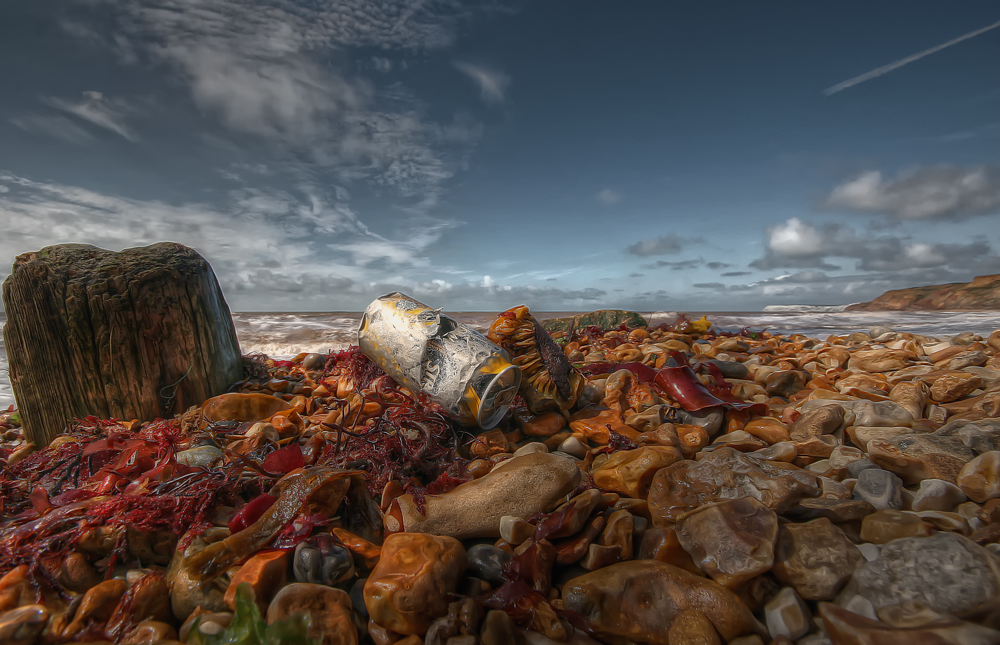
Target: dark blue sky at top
x,y
565,155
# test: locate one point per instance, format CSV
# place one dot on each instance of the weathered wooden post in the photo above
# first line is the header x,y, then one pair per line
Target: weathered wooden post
x,y
139,334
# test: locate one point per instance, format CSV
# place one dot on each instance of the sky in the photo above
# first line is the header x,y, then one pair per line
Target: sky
x,y
566,155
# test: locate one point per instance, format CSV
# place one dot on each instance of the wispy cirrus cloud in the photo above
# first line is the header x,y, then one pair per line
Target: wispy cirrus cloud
x,y
58,127
492,83
885,69
280,71
98,110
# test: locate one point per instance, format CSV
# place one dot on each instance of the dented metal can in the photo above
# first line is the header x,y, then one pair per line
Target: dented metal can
x,y
454,365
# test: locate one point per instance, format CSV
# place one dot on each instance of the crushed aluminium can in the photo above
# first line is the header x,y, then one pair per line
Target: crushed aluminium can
x,y
453,364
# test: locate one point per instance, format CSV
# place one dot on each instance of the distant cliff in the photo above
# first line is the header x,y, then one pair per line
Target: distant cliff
x,y
982,293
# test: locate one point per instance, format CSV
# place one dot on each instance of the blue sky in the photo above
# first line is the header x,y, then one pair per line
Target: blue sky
x,y
566,155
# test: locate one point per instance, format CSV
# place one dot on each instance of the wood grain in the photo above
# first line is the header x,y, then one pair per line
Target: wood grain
x,y
139,334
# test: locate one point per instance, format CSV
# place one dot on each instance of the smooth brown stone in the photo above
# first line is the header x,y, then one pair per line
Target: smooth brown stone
x,y
877,360
23,625
597,425
819,421
413,581
814,558
98,605
835,510
769,429
886,525
630,472
916,457
265,572
726,474
662,544
639,600
691,438
732,541
542,425
522,486
692,627
618,532
980,478
77,574
243,407
912,395
573,549
149,631
954,386
329,610
784,383
847,628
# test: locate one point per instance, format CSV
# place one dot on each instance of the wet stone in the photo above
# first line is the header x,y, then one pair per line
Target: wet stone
x,y
487,562
731,541
815,558
937,495
726,474
980,478
947,572
882,527
880,488
820,421
413,581
639,600
787,615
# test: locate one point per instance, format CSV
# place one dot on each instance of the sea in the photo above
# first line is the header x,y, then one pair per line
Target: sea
x,y
283,335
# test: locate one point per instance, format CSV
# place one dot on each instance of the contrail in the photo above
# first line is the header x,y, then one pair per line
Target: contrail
x,y
905,61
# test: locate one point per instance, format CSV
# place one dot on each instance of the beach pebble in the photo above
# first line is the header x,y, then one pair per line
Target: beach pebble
x,y
947,572
639,600
846,625
487,562
202,456
731,541
329,610
313,361
413,581
725,474
24,625
880,488
886,525
573,446
787,615
937,495
815,558
980,478
523,486
265,572
327,564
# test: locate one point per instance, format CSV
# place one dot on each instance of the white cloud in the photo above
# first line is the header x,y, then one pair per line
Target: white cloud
x,y
795,238
608,197
98,110
795,243
936,192
492,83
267,247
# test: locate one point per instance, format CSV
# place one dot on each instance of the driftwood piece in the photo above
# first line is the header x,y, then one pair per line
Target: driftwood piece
x,y
139,334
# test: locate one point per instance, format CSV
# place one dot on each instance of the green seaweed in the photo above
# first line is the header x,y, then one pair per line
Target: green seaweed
x,y
249,628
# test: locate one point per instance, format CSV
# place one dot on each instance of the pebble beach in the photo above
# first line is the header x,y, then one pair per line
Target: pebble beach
x,y
832,479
